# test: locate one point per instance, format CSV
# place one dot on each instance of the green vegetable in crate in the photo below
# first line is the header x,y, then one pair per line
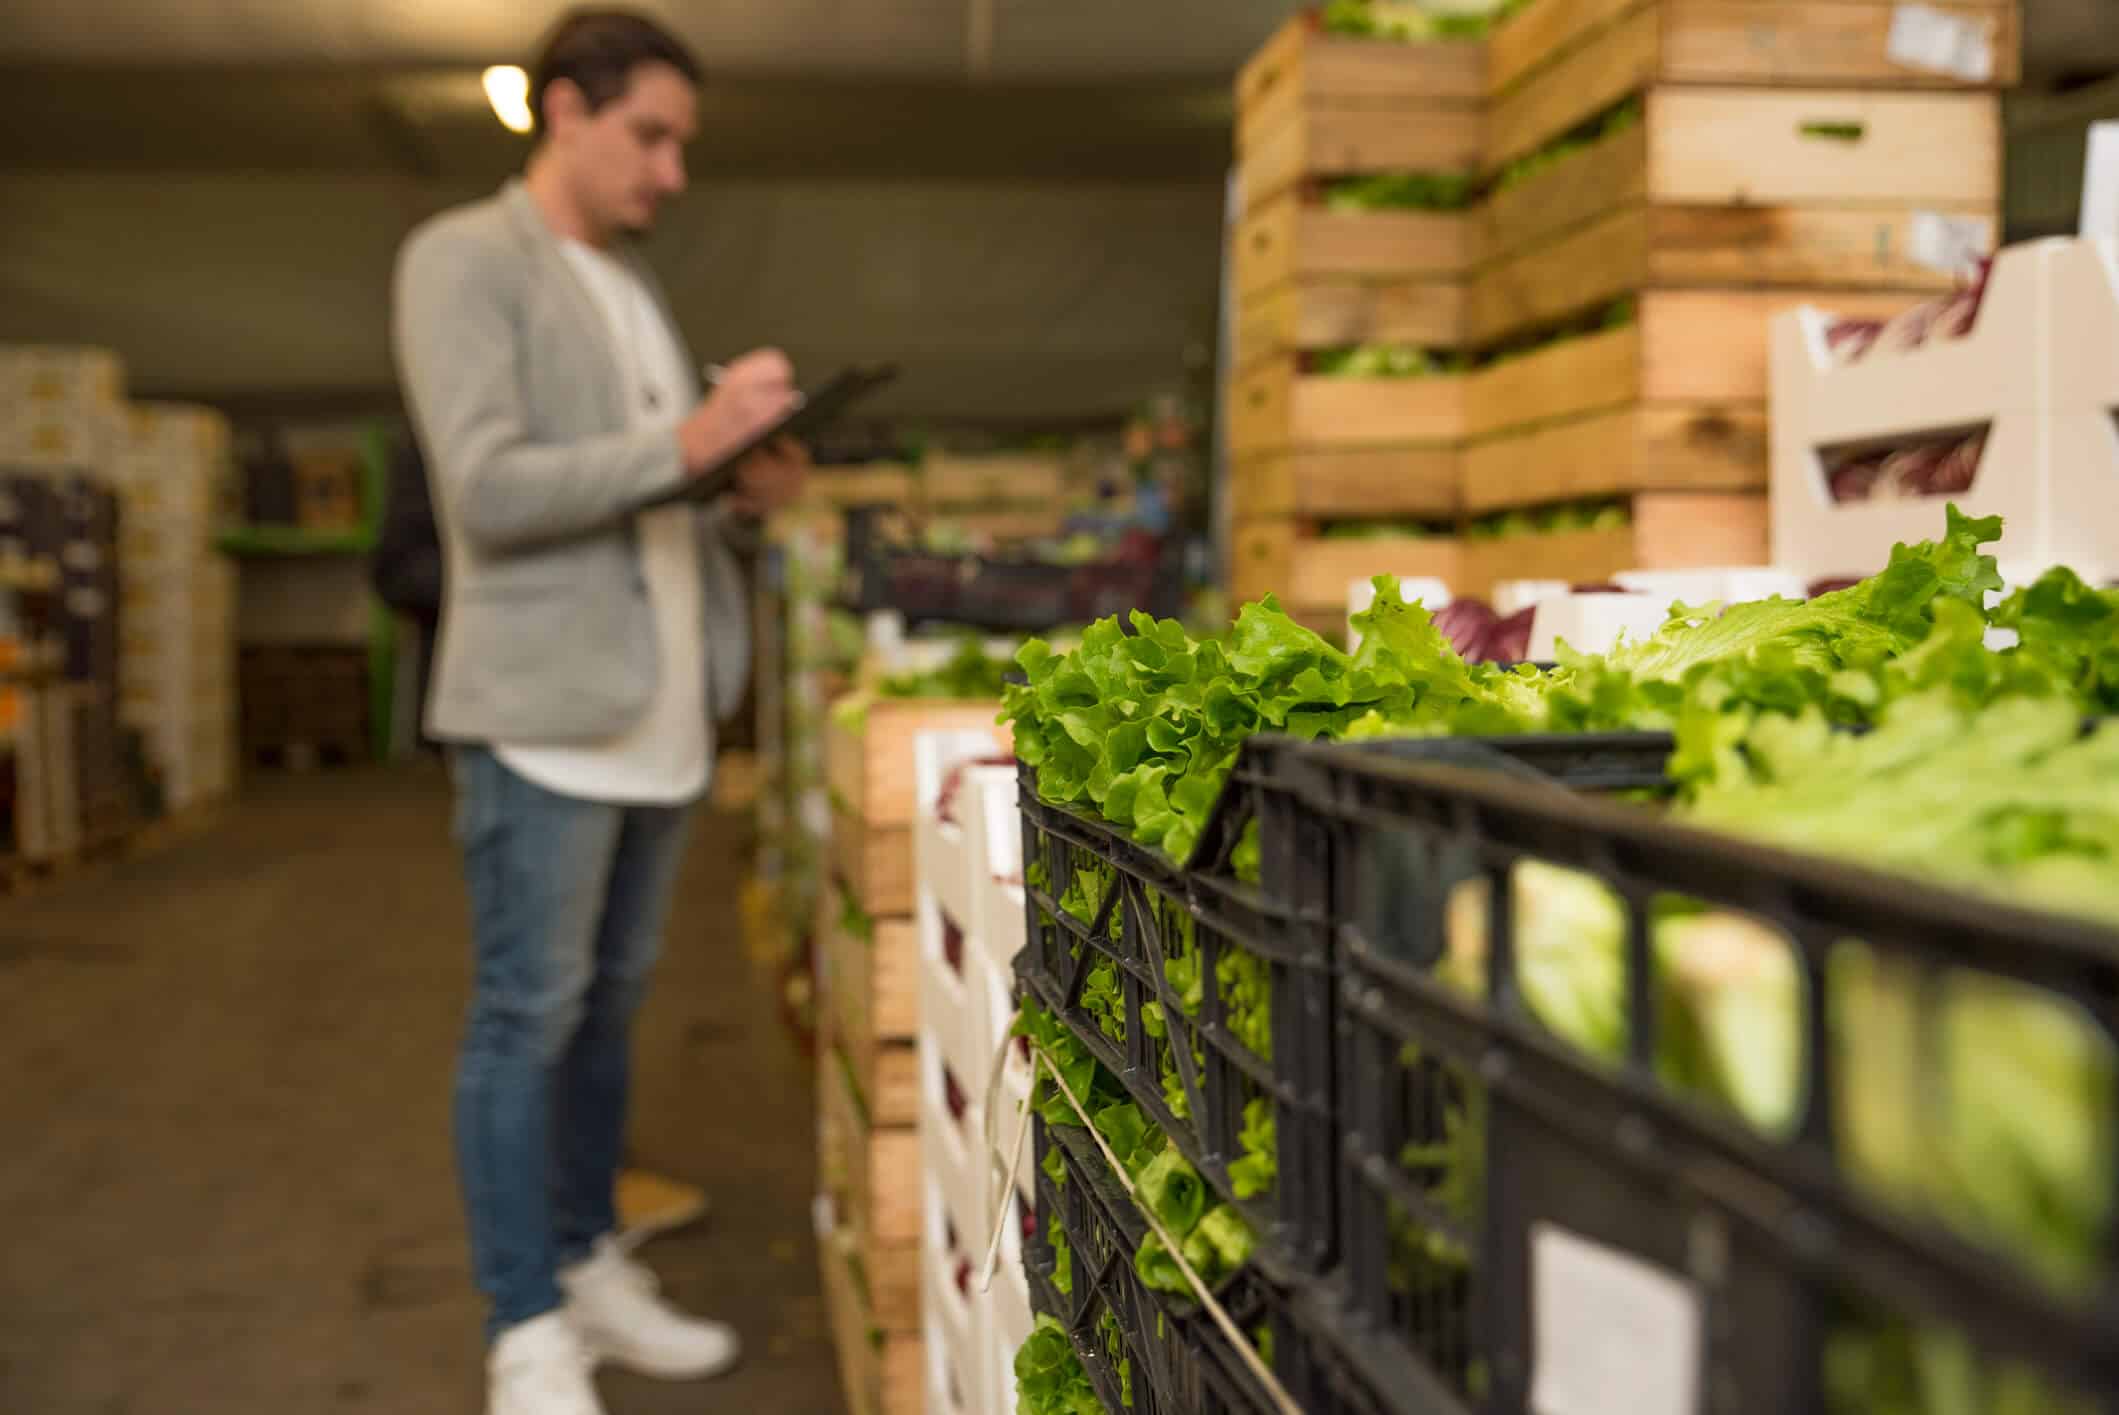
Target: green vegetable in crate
x,y
1418,191
1257,1170
1062,1257
969,674
1049,1379
1384,361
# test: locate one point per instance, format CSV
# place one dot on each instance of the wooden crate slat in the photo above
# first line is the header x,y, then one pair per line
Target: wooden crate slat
x,y
875,862
1301,67
1670,531
1566,92
1713,147
885,1380
881,1165
1292,239
1311,574
871,766
1640,448
1545,32
1817,42
1361,142
1338,314
1572,377
1358,482
1275,409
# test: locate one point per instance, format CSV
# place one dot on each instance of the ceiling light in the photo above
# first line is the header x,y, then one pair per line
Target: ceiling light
x,y
508,90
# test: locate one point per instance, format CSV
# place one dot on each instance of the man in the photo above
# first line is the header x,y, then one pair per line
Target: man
x,y
407,576
585,653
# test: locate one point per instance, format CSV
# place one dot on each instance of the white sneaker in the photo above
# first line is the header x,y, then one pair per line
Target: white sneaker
x,y
615,1305
541,1368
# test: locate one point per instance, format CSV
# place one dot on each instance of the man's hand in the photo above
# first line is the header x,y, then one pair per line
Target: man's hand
x,y
755,392
771,478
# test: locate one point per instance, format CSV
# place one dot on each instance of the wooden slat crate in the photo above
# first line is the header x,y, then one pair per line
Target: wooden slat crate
x,y
1741,188
886,483
875,862
871,767
1312,105
1561,62
873,996
1275,408
873,1178
1311,574
1670,531
1311,315
1348,484
882,1372
1674,401
1295,237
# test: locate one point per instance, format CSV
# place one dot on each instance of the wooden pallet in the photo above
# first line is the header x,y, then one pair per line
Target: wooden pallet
x,y
873,1178
881,1372
1676,401
1561,62
1312,105
1274,408
1670,531
1311,574
1347,484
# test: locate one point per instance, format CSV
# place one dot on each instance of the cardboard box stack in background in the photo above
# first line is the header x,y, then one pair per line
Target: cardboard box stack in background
x,y
116,631
177,487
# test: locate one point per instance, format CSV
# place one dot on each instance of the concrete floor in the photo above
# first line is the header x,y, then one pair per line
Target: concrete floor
x,y
224,1144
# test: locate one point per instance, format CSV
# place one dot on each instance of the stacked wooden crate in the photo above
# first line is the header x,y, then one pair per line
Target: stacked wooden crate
x,y
1657,179
868,1077
1728,160
1313,278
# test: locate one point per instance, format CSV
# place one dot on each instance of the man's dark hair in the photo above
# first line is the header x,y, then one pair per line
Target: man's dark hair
x,y
598,49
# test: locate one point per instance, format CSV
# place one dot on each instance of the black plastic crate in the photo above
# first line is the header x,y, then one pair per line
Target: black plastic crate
x,y
1005,593
1215,979
1485,1160
1176,1358
1212,1015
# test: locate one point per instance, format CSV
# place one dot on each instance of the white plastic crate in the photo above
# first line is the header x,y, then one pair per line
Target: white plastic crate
x,y
949,1158
946,853
1005,1312
2038,372
955,1348
955,1021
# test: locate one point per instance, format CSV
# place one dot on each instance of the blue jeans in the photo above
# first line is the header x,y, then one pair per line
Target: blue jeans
x,y
568,902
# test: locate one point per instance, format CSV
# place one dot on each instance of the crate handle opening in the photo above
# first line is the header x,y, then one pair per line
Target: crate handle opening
x,y
1848,130
1259,397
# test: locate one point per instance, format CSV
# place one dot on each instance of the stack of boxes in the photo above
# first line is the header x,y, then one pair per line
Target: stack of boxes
x,y
971,924
61,415
177,487
1654,180
116,617
869,1082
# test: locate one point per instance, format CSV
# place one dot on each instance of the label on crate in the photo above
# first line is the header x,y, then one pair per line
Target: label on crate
x,y
1952,244
1611,1335
1923,37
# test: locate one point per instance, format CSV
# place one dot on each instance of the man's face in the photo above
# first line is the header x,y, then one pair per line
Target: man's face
x,y
627,158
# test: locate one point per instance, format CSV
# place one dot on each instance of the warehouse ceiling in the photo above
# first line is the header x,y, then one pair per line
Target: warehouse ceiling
x,y
918,88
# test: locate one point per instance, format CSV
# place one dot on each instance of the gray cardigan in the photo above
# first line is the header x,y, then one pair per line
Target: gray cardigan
x,y
514,388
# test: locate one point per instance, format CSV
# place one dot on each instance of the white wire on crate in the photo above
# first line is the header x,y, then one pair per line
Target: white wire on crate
x,y
1278,1394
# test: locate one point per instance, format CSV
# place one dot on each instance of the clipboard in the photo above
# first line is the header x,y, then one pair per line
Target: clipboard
x,y
810,415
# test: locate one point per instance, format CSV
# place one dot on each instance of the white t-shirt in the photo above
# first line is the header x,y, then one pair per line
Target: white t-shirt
x,y
666,757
